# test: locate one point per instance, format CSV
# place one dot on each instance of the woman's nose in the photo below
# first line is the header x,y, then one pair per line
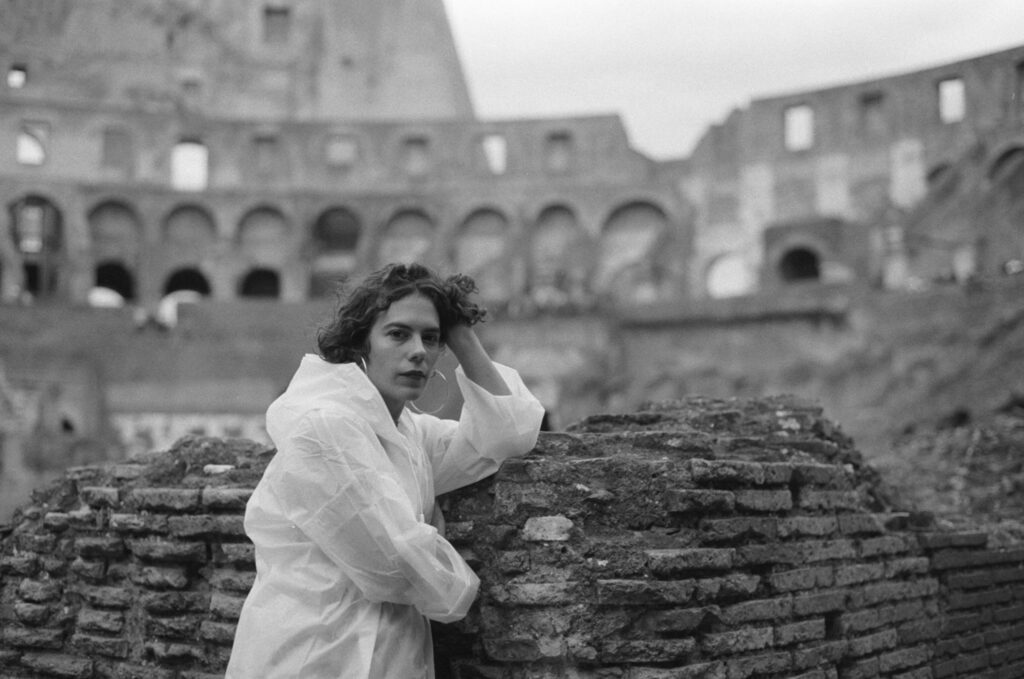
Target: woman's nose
x,y
417,348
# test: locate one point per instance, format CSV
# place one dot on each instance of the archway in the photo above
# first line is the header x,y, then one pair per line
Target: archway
x,y
406,238
189,229
115,276
187,278
37,234
480,251
561,257
263,236
260,282
334,241
628,240
800,264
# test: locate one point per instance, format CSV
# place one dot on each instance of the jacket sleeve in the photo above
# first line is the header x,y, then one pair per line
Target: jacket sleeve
x,y
335,486
490,429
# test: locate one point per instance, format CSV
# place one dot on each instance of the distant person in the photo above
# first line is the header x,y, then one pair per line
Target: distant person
x,y
350,563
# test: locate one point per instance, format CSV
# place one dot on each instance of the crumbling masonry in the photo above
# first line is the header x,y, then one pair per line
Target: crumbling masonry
x,y
702,538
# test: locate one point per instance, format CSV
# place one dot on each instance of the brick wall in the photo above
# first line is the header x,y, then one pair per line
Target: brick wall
x,y
698,539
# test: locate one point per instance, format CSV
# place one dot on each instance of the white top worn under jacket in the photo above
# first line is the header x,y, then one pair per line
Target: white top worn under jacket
x,y
348,565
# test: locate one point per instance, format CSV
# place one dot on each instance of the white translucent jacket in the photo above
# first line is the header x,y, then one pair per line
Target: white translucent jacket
x,y
348,564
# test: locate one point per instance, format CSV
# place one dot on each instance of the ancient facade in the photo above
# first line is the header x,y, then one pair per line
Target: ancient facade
x,y
236,149
710,539
866,155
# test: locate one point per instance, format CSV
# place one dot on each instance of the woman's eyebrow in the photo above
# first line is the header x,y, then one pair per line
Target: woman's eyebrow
x,y
405,326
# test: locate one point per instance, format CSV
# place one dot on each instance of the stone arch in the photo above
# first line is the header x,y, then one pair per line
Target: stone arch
x,y
114,275
189,229
728,275
263,236
406,237
187,278
628,240
1007,163
260,282
481,250
115,235
37,232
799,263
334,243
561,258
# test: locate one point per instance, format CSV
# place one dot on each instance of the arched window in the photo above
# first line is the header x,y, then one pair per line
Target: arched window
x,y
187,279
406,238
115,276
627,240
335,240
561,256
800,264
37,232
263,236
260,282
190,229
481,252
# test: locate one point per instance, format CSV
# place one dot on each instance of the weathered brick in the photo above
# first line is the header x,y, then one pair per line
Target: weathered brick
x,y
807,526
737,528
170,651
815,603
738,641
857,573
644,592
127,471
911,565
777,473
712,472
802,578
704,670
131,671
764,664
138,523
822,653
236,554
535,594
756,555
165,550
161,577
56,521
678,620
38,543
217,632
99,496
759,609
829,500
174,627
58,665
35,637
90,571
861,669
644,651
19,564
225,498
961,600
921,630
905,658
39,591
764,500
108,547
879,592
822,475
884,546
861,524
872,643
228,526
672,561
107,597
945,539
33,615
91,645
165,499
733,585
226,607
91,620
175,603
547,528
799,632
682,501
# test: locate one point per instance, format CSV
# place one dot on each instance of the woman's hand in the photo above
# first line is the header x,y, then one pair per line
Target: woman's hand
x,y
473,358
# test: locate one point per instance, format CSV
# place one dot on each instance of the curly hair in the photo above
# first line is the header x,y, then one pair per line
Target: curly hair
x,y
346,338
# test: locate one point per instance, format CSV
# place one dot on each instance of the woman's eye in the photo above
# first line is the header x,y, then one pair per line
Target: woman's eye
x,y
432,340
397,334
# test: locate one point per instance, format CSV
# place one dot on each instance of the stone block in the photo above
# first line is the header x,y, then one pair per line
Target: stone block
x,y
91,620
58,665
726,587
738,528
168,651
173,627
547,528
853,574
535,593
106,547
861,524
885,545
242,554
738,641
225,498
757,610
160,577
800,632
873,643
107,597
816,603
725,472
224,526
665,562
702,501
644,592
39,591
813,499
221,633
678,620
225,606
92,645
99,497
165,550
165,499
802,579
905,658
90,571
175,603
19,564
765,664
138,523
34,637
232,580
33,615
911,565
764,500
807,526
644,651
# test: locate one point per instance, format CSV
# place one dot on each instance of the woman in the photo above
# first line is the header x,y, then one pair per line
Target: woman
x,y
349,563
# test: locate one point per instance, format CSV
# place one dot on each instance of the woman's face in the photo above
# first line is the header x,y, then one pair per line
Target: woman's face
x,y
405,342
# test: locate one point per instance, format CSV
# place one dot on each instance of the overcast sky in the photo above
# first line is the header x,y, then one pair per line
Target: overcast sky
x,y
672,67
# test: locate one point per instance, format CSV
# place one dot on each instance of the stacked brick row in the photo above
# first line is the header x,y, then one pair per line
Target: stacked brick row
x,y
723,541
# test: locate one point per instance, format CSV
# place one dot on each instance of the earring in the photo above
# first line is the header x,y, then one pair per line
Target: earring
x,y
416,409
362,360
